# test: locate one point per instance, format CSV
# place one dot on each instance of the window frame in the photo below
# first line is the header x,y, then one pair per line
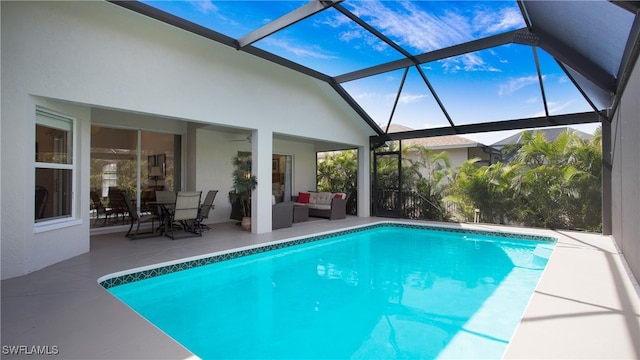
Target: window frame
x,y
63,220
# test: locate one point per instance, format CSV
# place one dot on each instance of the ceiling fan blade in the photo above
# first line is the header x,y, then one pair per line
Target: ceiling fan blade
x,y
248,139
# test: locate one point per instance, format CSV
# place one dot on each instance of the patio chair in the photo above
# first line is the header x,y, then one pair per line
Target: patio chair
x,y
165,200
282,215
165,197
101,210
137,219
205,208
116,203
184,214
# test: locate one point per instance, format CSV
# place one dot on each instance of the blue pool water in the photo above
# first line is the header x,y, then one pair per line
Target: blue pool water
x,y
382,293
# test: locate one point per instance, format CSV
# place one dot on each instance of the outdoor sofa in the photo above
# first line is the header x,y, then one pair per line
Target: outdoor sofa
x,y
323,204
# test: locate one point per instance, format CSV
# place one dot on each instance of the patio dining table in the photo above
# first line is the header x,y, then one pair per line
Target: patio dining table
x,y
164,212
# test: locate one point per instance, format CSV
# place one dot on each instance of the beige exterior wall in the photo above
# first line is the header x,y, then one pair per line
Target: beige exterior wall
x,y
456,156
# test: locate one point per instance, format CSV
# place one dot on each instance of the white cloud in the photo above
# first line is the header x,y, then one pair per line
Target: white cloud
x,y
450,66
347,36
427,30
415,27
466,62
390,97
360,95
410,98
352,33
390,78
298,51
334,21
404,98
555,107
411,26
515,84
362,37
490,21
204,6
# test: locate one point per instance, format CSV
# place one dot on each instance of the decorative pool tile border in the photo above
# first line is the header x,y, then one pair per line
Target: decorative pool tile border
x,y
162,270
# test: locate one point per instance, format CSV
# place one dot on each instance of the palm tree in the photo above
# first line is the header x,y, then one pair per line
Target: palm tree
x,y
547,184
432,175
587,213
338,172
558,184
486,188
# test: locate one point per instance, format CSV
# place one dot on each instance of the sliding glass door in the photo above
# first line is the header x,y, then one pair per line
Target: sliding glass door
x,y
281,175
135,163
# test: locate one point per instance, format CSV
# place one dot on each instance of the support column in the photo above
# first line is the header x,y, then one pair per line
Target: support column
x,y
364,182
191,163
261,155
607,213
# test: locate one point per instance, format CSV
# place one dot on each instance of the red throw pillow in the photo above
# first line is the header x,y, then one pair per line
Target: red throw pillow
x,y
303,198
338,196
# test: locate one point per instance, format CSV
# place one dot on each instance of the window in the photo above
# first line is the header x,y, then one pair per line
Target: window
x,y
54,166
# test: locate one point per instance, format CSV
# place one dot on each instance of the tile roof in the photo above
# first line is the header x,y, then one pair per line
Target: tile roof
x,y
549,133
437,142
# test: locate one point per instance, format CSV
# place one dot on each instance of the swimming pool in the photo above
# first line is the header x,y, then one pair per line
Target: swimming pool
x,y
381,291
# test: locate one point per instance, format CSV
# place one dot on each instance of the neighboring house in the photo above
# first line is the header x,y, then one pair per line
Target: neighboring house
x,y
551,134
458,148
507,147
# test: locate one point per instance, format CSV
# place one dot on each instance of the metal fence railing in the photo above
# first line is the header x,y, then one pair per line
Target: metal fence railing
x,y
411,205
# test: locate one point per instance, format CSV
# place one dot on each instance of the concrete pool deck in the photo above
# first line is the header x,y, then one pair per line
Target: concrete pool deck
x,y
585,306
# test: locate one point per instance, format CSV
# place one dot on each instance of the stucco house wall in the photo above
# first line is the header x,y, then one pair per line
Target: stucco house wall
x,y
457,156
79,58
214,153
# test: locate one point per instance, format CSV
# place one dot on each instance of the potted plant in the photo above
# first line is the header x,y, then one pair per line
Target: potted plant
x,y
243,184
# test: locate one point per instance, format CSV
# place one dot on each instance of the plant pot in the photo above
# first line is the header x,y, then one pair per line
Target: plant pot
x,y
246,223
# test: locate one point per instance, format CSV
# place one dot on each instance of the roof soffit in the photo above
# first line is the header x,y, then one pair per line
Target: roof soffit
x,y
600,98
589,36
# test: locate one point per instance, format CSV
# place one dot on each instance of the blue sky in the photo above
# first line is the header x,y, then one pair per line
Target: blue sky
x,y
490,85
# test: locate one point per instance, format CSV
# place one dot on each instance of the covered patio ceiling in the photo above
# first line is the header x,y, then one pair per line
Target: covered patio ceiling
x,y
243,135
438,67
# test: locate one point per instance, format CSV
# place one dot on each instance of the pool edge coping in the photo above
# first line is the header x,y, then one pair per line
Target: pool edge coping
x,y
153,270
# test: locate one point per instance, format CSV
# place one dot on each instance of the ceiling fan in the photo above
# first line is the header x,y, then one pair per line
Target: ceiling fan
x,y
247,139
